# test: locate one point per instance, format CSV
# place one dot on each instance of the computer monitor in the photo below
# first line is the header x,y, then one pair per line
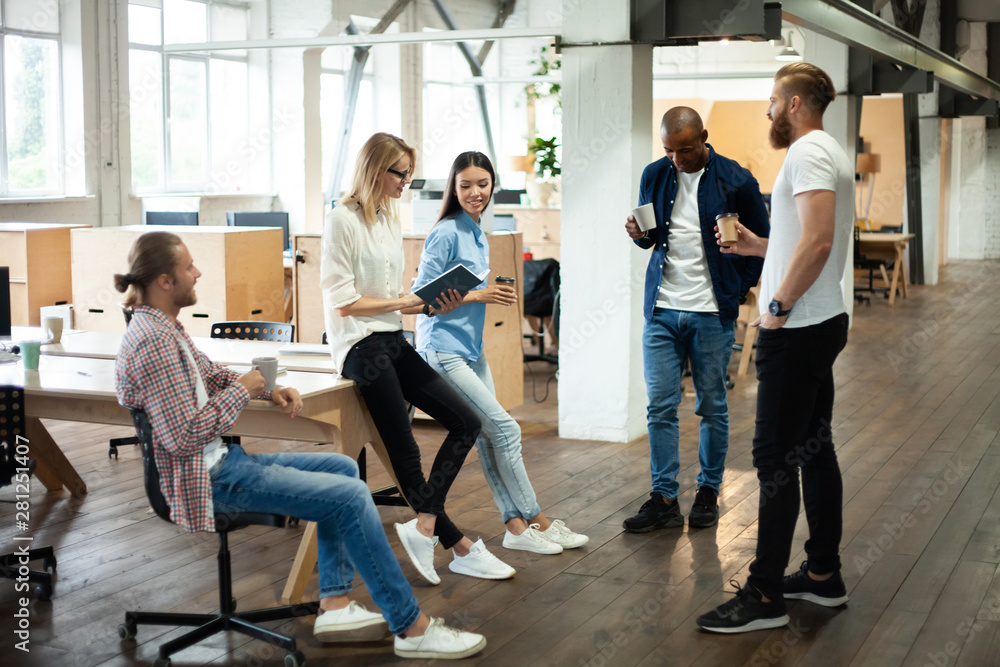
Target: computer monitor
x,y
171,217
261,219
4,303
508,196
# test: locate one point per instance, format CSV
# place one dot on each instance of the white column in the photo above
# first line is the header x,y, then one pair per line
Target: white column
x,y
607,116
930,155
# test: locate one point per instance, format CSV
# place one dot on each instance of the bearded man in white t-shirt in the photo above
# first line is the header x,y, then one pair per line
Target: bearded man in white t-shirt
x,y
803,327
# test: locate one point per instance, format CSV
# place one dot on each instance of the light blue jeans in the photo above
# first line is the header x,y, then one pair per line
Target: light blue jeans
x,y
707,342
323,488
499,442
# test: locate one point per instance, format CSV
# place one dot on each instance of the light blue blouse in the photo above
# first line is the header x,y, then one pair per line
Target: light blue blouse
x,y
454,240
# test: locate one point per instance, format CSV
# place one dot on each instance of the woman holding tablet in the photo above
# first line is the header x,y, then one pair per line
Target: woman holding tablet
x,y
361,276
451,340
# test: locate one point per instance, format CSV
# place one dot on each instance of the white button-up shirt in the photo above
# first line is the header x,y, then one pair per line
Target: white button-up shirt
x,y
359,260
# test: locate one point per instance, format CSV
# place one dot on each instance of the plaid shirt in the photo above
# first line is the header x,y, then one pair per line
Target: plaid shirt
x,y
152,372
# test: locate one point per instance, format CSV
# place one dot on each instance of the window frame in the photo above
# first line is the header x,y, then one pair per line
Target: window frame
x,y
59,187
168,184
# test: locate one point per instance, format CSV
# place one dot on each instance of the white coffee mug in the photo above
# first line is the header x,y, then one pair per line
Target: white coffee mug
x,y
645,217
53,327
268,367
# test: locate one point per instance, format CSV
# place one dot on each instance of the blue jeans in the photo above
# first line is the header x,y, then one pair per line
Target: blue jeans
x,y
323,488
499,443
707,341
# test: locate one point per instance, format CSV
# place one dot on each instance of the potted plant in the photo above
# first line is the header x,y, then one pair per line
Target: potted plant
x,y
547,170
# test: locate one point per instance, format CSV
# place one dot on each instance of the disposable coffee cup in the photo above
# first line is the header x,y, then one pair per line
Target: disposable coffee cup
x,y
504,280
30,350
268,367
52,326
645,217
727,228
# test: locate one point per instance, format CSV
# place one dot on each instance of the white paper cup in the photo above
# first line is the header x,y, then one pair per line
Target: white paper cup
x,y
645,217
268,367
52,326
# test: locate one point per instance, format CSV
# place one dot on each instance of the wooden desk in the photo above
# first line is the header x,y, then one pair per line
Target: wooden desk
x,y
331,413
876,245
102,345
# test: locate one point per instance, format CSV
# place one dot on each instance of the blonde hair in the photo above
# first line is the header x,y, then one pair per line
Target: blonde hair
x,y
813,86
380,152
152,255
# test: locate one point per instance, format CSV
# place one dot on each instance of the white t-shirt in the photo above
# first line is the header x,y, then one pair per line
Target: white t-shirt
x,y
814,162
359,259
214,450
686,283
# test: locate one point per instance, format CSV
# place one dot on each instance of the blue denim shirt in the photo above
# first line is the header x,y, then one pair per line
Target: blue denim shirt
x,y
724,187
454,240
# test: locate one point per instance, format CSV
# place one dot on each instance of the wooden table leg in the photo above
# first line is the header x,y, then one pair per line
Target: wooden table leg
x,y
302,568
901,259
895,280
748,341
56,470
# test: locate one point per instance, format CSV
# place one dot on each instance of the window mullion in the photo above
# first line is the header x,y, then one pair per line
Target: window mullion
x,y
4,182
167,176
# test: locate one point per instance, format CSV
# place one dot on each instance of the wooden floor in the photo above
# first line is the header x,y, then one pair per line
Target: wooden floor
x,y
916,422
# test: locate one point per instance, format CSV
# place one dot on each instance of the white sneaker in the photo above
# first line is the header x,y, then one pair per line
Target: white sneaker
x,y
353,623
531,540
420,549
479,562
440,642
563,536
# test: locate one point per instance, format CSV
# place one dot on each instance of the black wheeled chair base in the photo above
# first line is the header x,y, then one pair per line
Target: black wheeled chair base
x,y
10,566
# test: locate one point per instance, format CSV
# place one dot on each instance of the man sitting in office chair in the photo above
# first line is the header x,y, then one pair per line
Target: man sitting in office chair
x,y
191,401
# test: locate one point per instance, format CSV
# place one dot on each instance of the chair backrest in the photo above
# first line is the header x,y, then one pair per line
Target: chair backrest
x,y
150,473
278,332
541,284
11,426
172,217
127,312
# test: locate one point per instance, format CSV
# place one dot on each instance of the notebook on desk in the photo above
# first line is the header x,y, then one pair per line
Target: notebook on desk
x,y
306,348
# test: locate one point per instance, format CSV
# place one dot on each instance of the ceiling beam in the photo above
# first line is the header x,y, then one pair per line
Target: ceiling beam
x,y
847,23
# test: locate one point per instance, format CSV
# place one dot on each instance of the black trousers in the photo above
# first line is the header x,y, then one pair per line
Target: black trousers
x,y
389,372
793,431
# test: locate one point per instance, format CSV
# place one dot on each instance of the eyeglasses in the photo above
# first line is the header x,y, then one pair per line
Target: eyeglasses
x,y
402,174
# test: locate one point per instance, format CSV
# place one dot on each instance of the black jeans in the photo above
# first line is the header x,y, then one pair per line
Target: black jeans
x,y
794,413
389,372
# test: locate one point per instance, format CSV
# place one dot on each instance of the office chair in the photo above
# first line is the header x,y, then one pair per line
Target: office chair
x,y
278,332
115,443
871,265
541,300
207,625
14,462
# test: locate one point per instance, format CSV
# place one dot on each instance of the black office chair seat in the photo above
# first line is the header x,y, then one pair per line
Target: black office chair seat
x,y
227,618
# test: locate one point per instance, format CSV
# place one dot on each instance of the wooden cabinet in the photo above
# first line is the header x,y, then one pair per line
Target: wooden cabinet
x,y
38,255
308,318
502,331
242,275
540,227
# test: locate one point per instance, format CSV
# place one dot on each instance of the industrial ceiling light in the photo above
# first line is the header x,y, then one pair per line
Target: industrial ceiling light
x,y
788,54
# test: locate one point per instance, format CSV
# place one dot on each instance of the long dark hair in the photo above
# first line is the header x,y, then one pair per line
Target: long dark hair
x,y
450,206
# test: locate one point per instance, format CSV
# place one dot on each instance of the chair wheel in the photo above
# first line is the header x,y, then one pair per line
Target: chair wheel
x,y
113,451
233,602
126,631
161,662
49,564
43,592
295,659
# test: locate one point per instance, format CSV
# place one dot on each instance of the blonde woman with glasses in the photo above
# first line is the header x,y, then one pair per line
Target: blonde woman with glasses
x,y
362,282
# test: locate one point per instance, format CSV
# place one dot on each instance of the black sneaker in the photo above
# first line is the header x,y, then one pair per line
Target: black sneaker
x,y
705,511
653,515
744,613
800,586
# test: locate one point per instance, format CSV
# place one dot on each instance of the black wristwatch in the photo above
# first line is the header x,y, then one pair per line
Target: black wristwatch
x,y
427,310
775,309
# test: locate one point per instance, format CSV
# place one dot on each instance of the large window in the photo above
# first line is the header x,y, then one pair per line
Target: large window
x,y
30,107
189,111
